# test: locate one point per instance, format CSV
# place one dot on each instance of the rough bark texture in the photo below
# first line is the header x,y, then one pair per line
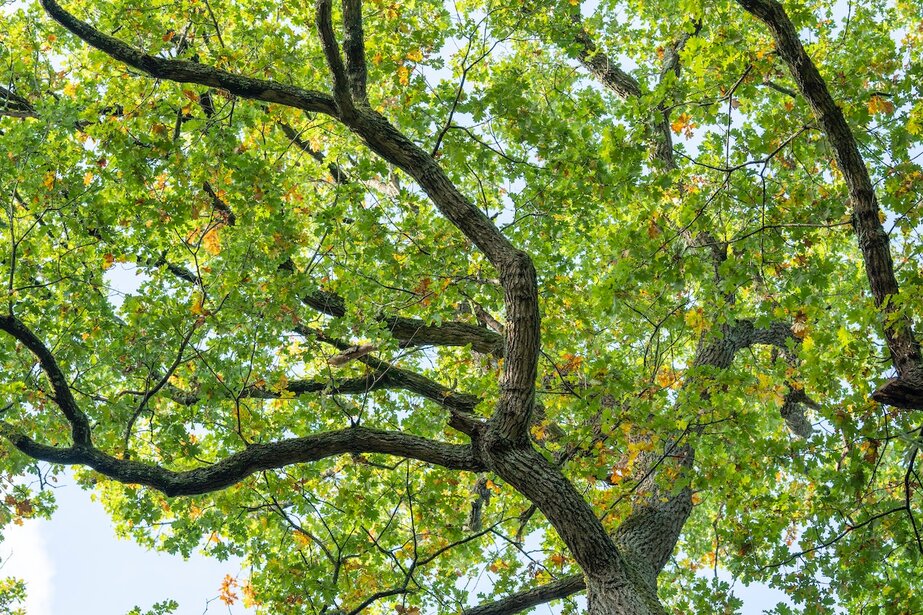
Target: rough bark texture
x,y
254,458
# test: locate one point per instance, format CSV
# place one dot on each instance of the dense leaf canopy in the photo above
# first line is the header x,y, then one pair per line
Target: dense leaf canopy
x,y
418,306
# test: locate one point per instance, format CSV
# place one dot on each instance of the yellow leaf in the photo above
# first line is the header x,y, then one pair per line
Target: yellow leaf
x,y
695,318
108,259
499,565
403,75
88,178
301,539
281,385
415,56
212,241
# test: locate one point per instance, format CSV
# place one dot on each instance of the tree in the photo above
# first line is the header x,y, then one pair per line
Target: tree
x,y
580,298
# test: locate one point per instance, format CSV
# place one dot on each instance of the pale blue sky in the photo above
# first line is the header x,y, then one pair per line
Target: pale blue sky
x,y
74,565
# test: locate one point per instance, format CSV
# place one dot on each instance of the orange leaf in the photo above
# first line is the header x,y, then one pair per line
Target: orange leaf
x,y
877,104
683,124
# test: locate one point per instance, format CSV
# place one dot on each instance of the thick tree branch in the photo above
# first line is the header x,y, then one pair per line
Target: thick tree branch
x,y
461,405
414,331
254,458
650,532
408,331
607,71
528,598
354,48
907,390
384,376
602,67
184,71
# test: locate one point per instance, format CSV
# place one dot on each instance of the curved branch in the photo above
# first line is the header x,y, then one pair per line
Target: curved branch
x,y
254,458
184,71
515,267
388,377
80,426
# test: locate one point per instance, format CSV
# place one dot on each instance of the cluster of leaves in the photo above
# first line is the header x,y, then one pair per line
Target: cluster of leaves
x,y
170,242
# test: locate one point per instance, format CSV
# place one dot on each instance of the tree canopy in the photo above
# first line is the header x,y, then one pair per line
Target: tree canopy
x,y
467,307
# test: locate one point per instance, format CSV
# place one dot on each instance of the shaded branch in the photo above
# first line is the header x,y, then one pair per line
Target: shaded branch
x,y
526,599
415,331
339,176
14,105
220,206
341,86
907,390
461,405
603,67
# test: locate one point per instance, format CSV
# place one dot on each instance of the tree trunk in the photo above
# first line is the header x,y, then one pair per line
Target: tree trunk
x,y
608,596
